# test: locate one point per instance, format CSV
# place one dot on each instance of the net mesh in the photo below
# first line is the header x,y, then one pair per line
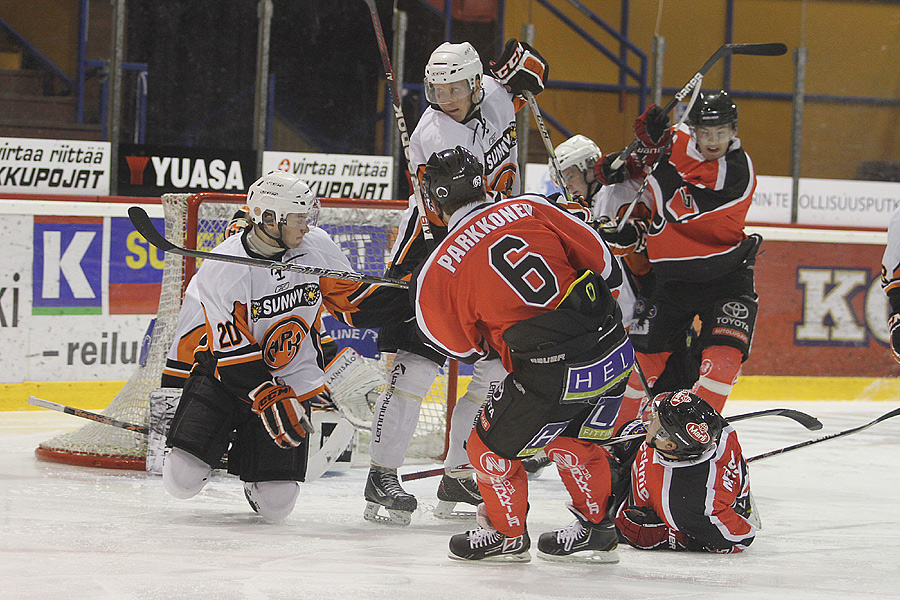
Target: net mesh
x,y
364,234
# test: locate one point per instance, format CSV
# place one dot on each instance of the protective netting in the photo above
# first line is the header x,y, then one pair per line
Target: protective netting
x,y
364,234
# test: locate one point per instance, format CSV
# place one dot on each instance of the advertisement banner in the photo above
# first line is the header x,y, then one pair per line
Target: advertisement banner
x,y
69,167
146,170
822,311
337,175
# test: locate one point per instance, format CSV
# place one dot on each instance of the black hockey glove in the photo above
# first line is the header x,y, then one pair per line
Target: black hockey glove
x,y
894,324
632,238
652,128
520,68
282,414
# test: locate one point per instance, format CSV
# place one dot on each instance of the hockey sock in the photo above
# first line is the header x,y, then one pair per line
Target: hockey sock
x,y
503,485
718,374
633,402
397,408
584,468
486,377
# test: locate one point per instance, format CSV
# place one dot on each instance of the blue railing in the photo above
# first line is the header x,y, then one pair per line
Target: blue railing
x,y
46,64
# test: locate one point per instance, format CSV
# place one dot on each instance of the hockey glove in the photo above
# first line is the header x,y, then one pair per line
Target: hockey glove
x,y
642,528
652,128
605,174
282,414
578,207
894,324
632,238
520,68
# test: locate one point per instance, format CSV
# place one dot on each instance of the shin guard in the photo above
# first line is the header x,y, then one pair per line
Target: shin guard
x,y
584,468
503,485
718,374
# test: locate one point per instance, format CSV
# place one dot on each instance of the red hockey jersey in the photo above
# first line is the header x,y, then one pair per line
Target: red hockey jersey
x,y
502,263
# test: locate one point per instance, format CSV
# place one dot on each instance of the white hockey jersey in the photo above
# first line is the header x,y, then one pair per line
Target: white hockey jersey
x,y
265,322
490,134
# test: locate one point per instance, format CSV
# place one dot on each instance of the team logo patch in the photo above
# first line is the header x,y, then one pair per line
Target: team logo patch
x,y
494,465
698,431
307,294
282,342
679,397
736,310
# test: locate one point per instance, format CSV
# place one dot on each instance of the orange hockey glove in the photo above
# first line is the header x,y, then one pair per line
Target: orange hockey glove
x,y
282,414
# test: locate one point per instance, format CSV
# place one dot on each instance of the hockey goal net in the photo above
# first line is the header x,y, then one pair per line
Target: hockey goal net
x,y
364,229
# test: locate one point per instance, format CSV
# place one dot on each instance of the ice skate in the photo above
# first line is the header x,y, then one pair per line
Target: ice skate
x,y
451,492
383,489
535,465
582,541
489,545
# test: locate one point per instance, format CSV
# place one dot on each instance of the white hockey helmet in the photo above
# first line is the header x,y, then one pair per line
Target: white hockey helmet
x,y
577,151
274,196
450,63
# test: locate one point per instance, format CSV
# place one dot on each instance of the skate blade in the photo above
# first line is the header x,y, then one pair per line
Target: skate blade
x,y
595,557
395,518
503,559
446,510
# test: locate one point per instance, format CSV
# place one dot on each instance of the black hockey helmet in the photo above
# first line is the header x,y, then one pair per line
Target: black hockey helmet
x,y
689,421
711,109
452,178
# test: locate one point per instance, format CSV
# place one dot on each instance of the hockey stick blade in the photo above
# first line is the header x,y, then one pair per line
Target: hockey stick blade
x,y
832,436
86,414
144,226
808,421
773,49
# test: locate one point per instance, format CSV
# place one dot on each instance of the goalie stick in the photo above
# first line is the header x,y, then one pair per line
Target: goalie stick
x,y
807,420
773,49
86,414
401,123
832,436
144,226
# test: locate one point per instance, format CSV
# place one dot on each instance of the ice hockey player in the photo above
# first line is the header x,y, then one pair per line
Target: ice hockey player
x,y
701,257
526,280
476,111
890,281
689,482
263,358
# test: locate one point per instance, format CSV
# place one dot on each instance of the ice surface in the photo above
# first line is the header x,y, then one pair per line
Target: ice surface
x,y
831,529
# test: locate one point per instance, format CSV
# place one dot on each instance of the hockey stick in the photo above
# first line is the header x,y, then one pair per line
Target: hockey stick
x,y
401,123
144,226
86,414
807,420
883,417
545,136
773,49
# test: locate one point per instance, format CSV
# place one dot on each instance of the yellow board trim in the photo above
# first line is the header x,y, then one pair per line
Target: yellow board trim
x,y
96,395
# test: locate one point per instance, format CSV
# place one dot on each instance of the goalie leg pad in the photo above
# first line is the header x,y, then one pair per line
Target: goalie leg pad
x,y
163,402
397,408
184,475
273,500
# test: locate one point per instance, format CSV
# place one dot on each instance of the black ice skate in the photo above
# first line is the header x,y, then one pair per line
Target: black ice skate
x,y
452,491
489,545
383,489
535,465
582,541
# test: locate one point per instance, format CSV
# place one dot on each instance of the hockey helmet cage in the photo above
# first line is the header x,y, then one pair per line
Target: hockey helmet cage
x,y
452,178
712,109
578,151
689,421
274,196
453,62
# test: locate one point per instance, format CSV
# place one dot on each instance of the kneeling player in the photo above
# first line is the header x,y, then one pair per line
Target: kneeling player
x,y
537,285
263,360
689,483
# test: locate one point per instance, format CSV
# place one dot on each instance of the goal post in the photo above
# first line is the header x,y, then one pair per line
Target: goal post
x,y
364,229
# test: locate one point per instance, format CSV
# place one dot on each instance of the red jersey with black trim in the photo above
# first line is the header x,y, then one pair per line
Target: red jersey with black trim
x,y
502,263
699,497
700,207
